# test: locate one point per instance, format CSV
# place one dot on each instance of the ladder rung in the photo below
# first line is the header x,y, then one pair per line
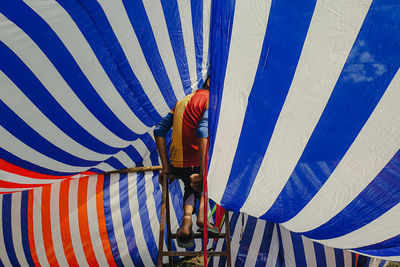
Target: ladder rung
x,y
193,253
198,235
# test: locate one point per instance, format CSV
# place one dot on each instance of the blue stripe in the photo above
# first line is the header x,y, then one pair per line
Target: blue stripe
x,y
220,39
382,263
24,227
27,82
109,222
197,25
141,25
362,261
320,254
7,156
283,42
281,254
370,67
34,26
387,244
173,21
107,34
339,257
88,15
126,220
266,243
236,220
134,155
144,217
22,131
245,242
377,198
115,163
298,248
7,230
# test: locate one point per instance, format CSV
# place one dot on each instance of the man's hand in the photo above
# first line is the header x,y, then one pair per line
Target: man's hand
x,y
165,170
196,182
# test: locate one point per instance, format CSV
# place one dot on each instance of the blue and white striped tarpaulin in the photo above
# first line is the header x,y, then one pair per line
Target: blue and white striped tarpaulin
x,y
304,125
305,118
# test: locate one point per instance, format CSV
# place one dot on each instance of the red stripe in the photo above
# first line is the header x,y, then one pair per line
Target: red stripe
x,y
84,223
64,224
205,194
31,238
5,184
46,227
102,222
8,167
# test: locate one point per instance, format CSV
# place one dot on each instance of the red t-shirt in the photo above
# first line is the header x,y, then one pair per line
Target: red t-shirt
x,y
187,115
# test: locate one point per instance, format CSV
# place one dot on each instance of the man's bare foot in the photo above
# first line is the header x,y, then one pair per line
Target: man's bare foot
x,y
186,226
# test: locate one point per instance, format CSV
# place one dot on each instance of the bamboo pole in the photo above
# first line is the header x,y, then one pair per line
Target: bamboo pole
x,y
136,169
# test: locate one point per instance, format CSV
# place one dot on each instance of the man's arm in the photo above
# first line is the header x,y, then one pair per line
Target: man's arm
x,y
162,151
159,133
197,179
202,137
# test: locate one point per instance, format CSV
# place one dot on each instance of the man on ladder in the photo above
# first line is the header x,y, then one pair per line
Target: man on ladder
x,y
189,122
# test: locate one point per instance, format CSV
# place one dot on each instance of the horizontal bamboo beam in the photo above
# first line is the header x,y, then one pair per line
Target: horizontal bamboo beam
x,y
137,169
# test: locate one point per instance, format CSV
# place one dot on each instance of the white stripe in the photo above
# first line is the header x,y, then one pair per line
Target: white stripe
x,y
74,223
136,221
37,227
384,227
19,149
185,14
206,35
23,46
330,256
18,179
218,247
237,236
175,224
105,167
11,190
156,18
119,21
93,221
273,248
319,67
117,221
254,246
16,228
248,32
309,251
366,157
55,224
66,29
151,205
124,159
31,115
3,252
142,149
287,245
348,261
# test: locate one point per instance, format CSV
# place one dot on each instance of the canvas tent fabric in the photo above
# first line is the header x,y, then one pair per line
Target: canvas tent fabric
x,y
304,115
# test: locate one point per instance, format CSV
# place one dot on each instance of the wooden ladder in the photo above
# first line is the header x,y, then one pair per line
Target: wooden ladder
x,y
170,236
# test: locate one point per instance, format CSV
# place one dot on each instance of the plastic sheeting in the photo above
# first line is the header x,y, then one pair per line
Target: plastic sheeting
x,y
303,114
113,220
305,118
